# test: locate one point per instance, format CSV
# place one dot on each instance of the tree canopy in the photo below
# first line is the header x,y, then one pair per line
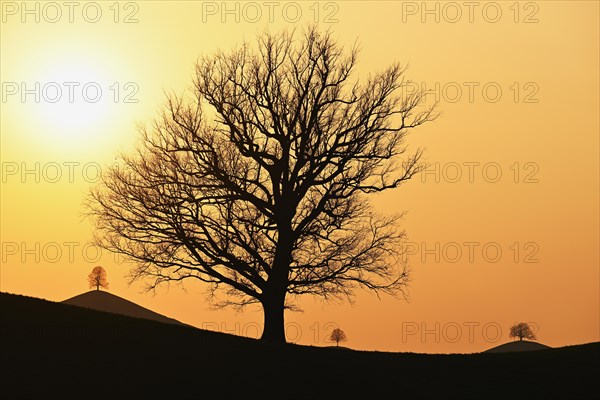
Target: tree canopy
x,y
522,330
337,336
97,278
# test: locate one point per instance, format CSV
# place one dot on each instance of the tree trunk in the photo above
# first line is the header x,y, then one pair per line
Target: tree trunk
x,y
273,308
273,301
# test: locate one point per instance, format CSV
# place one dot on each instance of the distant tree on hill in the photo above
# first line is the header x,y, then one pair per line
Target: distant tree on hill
x,y
338,336
522,331
97,278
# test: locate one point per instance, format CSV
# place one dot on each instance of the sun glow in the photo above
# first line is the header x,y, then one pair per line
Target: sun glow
x,y
74,99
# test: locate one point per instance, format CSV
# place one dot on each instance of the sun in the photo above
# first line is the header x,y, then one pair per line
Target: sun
x,y
71,96
73,99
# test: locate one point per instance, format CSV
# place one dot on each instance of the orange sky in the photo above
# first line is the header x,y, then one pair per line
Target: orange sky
x,y
503,228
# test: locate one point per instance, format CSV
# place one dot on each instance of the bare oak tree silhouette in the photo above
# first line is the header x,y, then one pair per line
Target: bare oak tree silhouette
x,y
258,182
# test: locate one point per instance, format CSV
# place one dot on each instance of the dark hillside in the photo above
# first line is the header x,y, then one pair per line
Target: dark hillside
x,y
54,350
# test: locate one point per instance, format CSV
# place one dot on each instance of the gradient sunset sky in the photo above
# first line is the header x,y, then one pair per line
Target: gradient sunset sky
x,y
503,227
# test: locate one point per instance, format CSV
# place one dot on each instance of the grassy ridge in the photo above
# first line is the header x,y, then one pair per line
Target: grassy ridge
x,y
53,348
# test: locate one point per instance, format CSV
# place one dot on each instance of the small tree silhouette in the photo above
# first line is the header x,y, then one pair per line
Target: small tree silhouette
x,y
338,336
97,278
522,331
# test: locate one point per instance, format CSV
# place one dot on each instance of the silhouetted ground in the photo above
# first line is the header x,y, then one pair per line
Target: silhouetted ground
x,y
519,345
54,350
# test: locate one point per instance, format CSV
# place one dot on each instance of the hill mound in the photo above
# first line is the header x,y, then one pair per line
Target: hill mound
x,y
108,302
521,345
